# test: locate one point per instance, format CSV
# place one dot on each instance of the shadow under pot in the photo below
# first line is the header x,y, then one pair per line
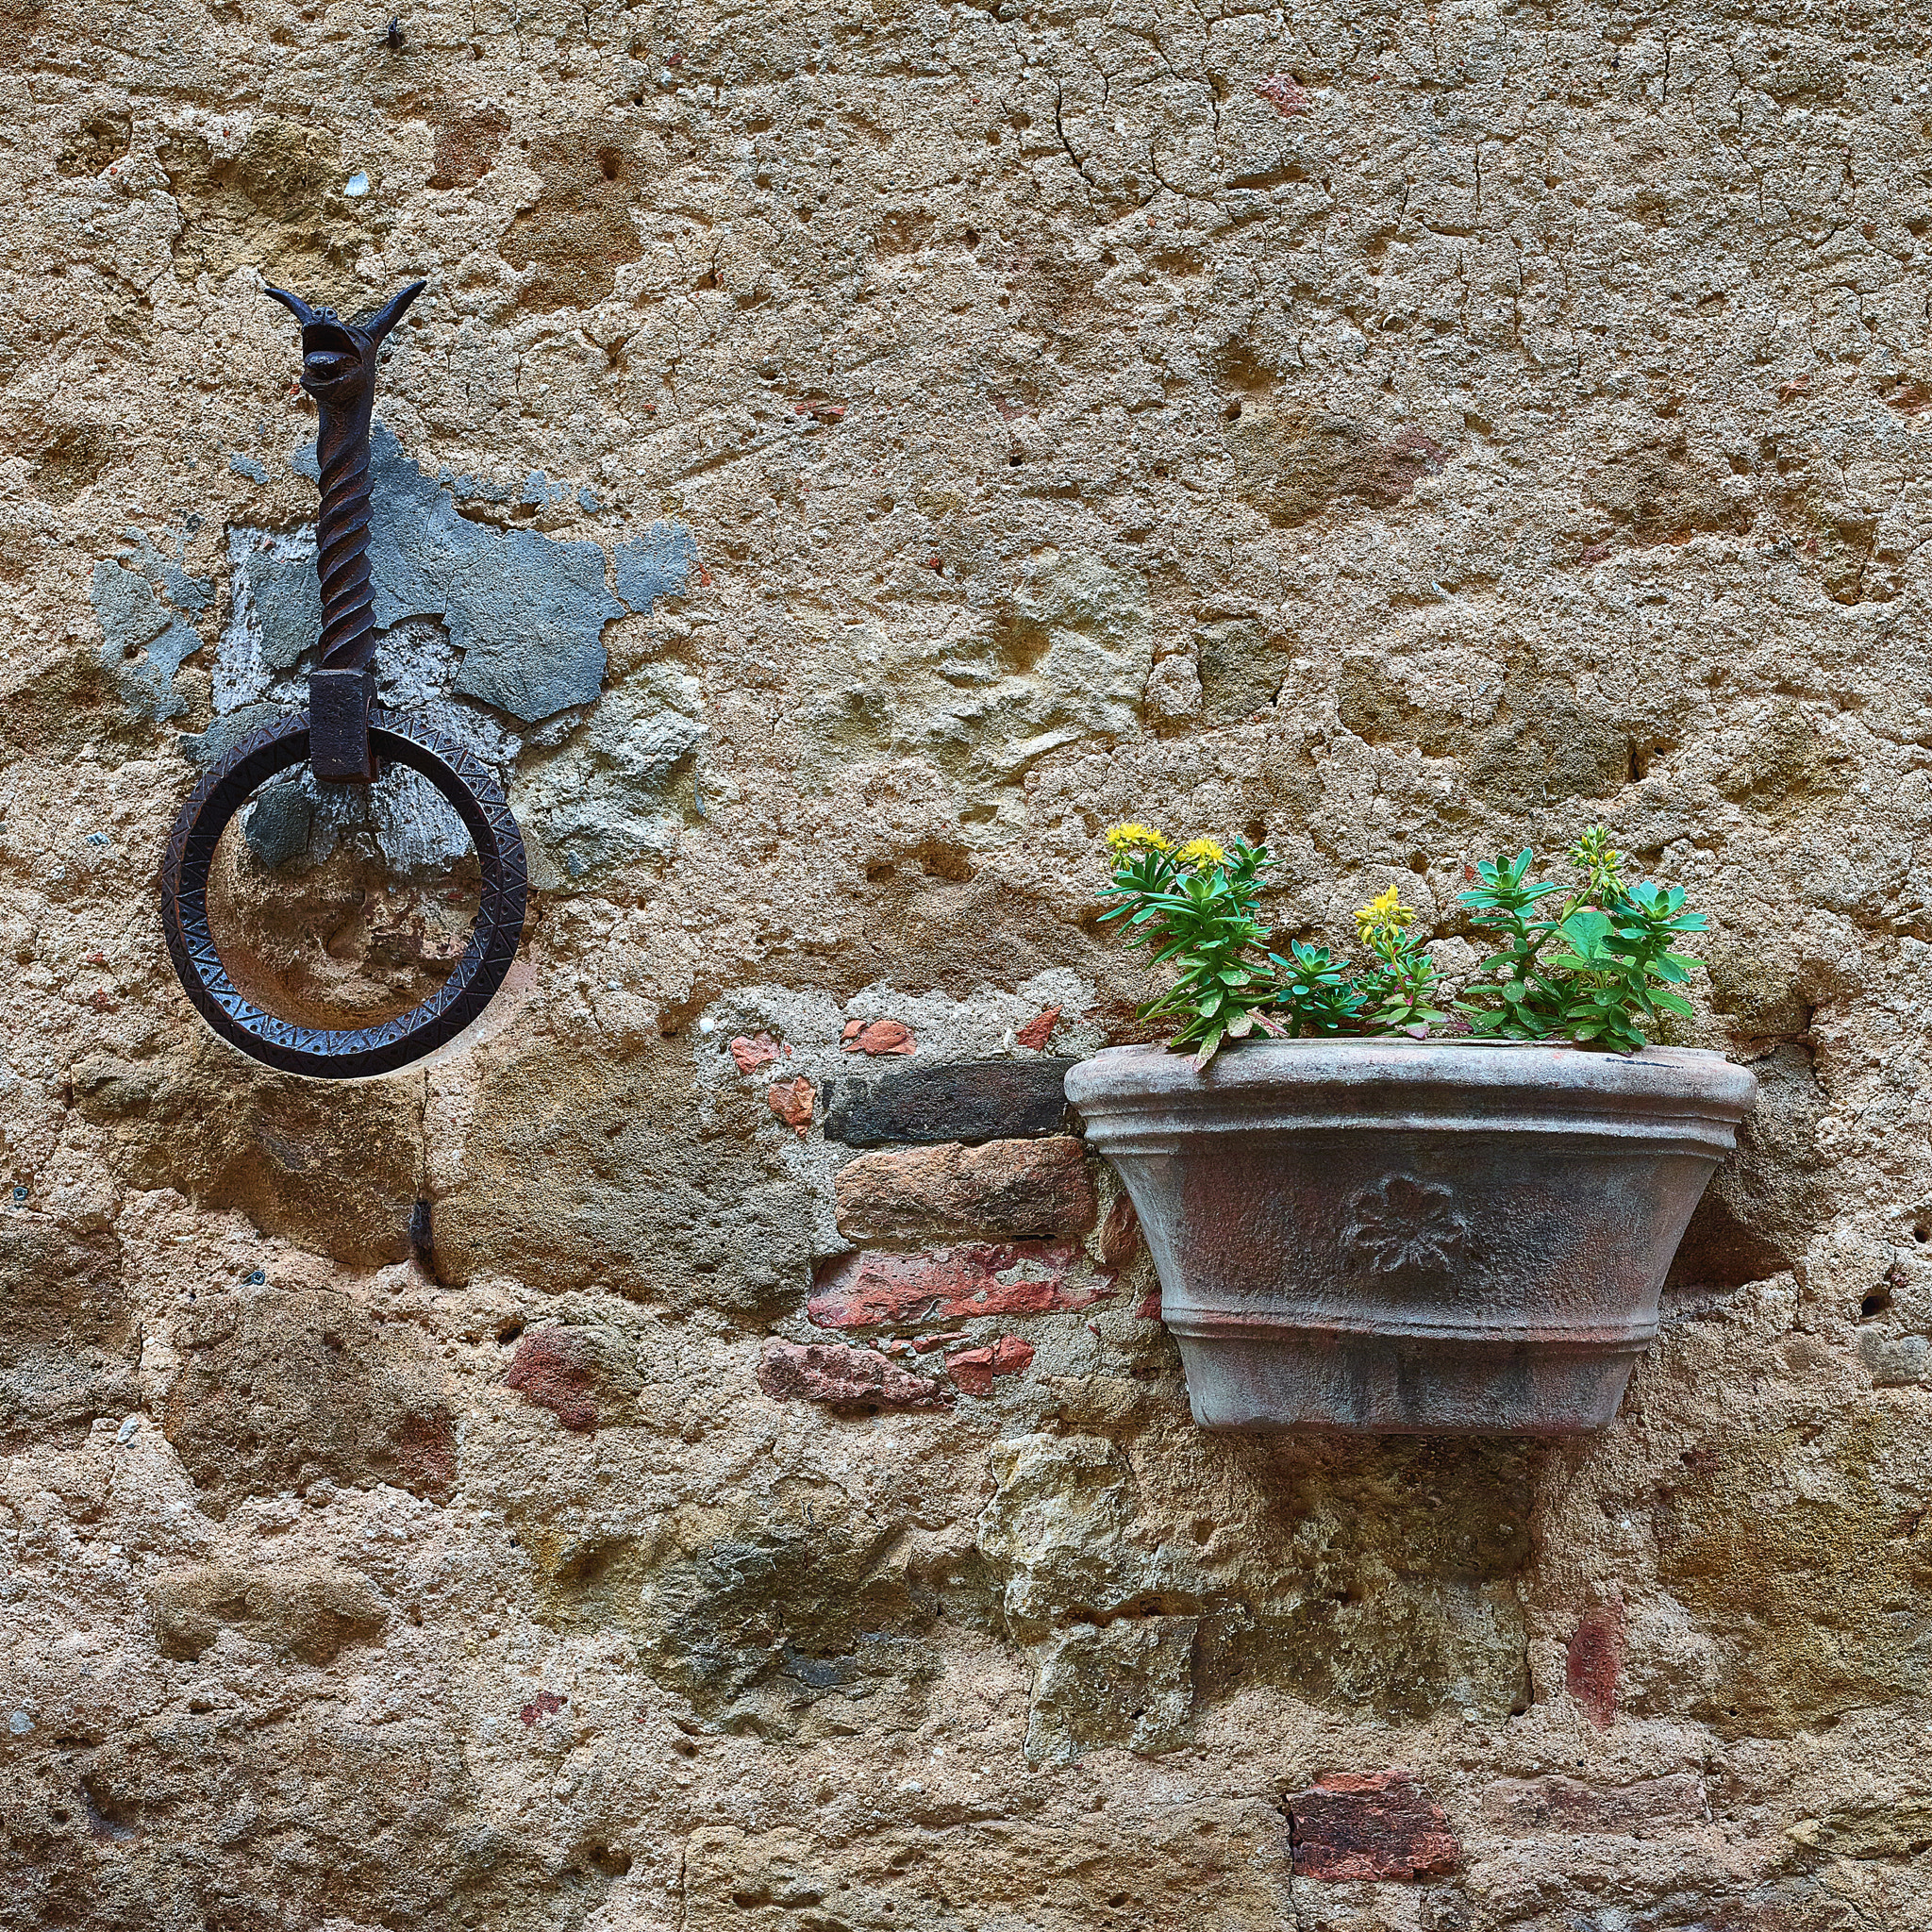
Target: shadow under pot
x,y
1412,1237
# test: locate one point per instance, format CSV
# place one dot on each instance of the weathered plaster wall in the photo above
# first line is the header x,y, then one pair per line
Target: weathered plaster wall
x,y
850,452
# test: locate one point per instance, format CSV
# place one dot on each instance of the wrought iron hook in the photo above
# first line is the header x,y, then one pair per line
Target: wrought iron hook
x,y
339,364
340,737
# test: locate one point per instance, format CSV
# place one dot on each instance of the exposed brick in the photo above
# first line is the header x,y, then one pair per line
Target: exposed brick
x,y
878,1291
545,1704
1120,1234
1594,1660
844,1377
968,1101
1285,91
758,1051
1378,1824
556,1370
879,1037
1038,1030
924,1344
974,1368
1006,1186
426,1453
792,1101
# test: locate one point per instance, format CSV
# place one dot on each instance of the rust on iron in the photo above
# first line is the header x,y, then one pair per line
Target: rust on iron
x,y
343,737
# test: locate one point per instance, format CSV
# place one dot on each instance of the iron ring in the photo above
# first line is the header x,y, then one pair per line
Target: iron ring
x,y
351,1053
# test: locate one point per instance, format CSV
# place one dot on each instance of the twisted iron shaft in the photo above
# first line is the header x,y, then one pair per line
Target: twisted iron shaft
x,y
341,535
339,364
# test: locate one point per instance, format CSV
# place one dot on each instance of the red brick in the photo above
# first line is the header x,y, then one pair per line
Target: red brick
x,y
1005,1187
1121,1233
1038,1030
424,1447
753,1054
974,1368
792,1101
880,1036
556,1370
844,1377
1595,1661
876,1291
1377,1825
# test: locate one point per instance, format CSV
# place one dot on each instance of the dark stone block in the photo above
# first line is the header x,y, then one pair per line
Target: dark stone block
x,y
967,1101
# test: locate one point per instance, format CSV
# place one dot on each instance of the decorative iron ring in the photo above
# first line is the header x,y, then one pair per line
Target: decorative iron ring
x,y
353,1053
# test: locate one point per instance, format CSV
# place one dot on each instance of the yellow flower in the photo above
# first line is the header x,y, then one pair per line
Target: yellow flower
x,y
1199,852
1132,837
1386,914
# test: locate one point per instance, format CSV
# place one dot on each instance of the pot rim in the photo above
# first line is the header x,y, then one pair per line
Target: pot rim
x,y
1408,1042
1346,1085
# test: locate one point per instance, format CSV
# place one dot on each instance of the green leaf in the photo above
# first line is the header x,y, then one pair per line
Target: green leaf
x,y
1585,930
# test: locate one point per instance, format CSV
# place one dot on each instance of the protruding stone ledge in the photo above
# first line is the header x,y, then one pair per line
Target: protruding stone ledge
x,y
964,1101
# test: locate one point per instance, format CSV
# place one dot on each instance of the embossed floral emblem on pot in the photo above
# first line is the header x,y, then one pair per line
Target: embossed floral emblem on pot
x,y
1402,1224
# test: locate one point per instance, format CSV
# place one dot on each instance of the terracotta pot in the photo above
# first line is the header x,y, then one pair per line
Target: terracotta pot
x,y
1411,1236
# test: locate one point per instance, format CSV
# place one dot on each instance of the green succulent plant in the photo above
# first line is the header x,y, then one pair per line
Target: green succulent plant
x,y
1194,907
1600,970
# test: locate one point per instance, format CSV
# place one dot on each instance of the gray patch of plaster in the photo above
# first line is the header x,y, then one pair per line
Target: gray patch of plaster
x,y
475,489
250,467
658,564
278,603
281,821
187,595
614,792
526,611
529,613
205,748
144,603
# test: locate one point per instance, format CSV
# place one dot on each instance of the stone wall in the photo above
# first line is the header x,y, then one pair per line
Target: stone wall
x,y
703,1453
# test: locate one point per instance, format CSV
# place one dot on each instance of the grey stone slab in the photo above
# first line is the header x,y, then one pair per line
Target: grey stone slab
x,y
967,1101
655,565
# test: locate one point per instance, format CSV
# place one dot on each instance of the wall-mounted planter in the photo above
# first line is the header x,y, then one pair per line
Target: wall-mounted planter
x,y
1411,1236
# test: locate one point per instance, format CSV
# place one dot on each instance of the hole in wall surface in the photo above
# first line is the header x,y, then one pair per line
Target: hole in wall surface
x,y
343,905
